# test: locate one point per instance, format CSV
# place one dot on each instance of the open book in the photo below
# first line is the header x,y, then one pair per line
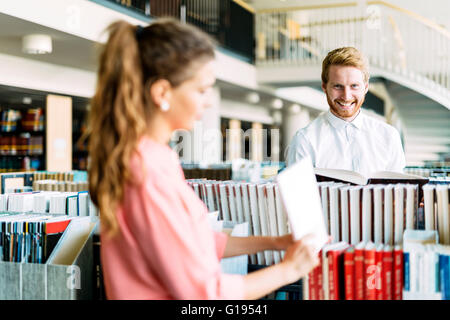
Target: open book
x,y
383,177
301,200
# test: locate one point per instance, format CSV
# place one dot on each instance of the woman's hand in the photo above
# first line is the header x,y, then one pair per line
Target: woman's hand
x,y
300,258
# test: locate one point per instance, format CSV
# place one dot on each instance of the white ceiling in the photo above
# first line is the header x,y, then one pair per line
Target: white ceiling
x,y
79,53
68,50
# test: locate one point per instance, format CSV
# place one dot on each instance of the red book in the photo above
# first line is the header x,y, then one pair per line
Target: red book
x,y
359,271
379,264
349,272
56,225
320,295
312,284
335,259
387,275
370,272
398,272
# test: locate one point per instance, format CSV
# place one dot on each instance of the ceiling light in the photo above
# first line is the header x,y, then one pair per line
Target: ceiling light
x,y
26,100
277,104
37,44
295,108
252,97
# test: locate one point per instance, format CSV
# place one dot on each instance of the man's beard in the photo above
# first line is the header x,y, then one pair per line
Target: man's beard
x,y
342,111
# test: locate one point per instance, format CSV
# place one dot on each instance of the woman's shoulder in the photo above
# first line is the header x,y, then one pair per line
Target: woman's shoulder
x,y
155,158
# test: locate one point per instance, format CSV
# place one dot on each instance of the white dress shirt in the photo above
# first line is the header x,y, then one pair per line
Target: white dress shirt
x,y
364,145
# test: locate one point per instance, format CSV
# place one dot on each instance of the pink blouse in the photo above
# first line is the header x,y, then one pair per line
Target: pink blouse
x,y
166,248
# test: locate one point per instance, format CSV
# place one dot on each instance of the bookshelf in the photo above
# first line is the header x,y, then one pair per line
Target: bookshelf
x,y
376,224
22,133
41,130
79,124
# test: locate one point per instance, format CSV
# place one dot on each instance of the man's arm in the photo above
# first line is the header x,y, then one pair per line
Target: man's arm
x,y
298,149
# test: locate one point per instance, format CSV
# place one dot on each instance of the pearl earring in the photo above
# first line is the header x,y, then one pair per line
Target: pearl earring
x,y
164,106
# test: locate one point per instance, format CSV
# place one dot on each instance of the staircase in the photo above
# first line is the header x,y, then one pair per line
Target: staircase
x,y
425,124
408,54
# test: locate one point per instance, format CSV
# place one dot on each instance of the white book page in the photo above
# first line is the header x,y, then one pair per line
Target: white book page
x,y
388,214
300,196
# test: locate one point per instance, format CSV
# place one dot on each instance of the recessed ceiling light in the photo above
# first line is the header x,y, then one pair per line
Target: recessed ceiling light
x,y
252,97
26,100
277,104
37,44
295,108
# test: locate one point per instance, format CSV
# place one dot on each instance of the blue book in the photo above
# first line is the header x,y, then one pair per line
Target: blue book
x,y
444,268
406,271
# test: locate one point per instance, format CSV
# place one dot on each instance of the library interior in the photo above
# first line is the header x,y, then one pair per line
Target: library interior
x,y
356,154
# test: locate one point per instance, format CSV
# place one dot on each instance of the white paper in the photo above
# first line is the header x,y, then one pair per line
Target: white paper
x,y
300,197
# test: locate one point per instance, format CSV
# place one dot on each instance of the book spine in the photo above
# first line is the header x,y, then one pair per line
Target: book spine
x,y
379,264
370,274
312,284
406,272
387,275
398,273
332,275
444,273
359,274
320,293
349,269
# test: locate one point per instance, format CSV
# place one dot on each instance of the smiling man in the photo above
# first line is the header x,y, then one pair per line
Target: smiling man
x,y
344,137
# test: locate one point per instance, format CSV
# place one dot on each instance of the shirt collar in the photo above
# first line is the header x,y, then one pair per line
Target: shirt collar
x,y
338,123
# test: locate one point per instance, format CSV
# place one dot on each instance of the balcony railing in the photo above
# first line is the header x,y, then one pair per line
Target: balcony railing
x,y
231,25
394,39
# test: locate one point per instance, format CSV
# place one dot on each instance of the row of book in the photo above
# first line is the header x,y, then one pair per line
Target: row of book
x,y
53,202
437,210
48,257
15,164
418,269
56,185
31,119
207,173
377,213
356,272
23,144
29,237
9,181
75,175
9,119
429,172
426,266
257,204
